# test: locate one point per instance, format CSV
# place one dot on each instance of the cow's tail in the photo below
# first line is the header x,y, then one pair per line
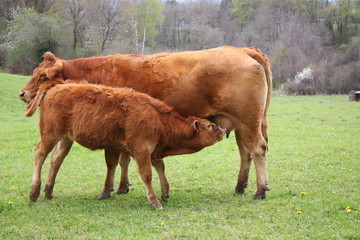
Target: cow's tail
x,y
264,61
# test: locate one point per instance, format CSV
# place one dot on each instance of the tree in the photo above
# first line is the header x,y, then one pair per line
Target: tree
x,y
7,8
103,23
40,6
169,29
341,19
226,22
28,36
243,11
148,17
76,16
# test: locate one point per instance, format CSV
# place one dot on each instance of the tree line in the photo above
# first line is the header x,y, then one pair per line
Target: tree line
x,y
313,45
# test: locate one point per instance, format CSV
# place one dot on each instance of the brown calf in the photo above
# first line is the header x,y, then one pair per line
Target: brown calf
x,y
119,121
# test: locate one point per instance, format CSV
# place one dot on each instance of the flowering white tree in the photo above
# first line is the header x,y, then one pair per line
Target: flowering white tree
x,y
305,75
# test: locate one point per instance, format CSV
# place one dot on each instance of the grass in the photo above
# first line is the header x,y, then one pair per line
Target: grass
x,y
313,167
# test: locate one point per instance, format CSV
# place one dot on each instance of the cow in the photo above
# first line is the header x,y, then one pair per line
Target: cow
x,y
118,120
228,85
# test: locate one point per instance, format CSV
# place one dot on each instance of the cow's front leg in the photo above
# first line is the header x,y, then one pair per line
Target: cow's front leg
x,y
160,168
124,161
111,158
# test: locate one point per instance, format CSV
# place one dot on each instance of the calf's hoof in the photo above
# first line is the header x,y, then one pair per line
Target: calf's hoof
x,y
103,196
48,192
157,205
165,198
123,189
34,194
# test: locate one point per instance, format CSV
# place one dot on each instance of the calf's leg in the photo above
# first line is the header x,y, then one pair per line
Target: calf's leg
x,y
124,186
143,161
112,159
60,151
160,168
42,149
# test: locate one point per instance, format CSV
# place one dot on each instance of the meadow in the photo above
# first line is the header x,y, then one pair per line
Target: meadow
x,y
313,167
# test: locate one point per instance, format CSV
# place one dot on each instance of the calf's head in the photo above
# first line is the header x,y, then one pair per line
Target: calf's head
x,y
48,69
204,134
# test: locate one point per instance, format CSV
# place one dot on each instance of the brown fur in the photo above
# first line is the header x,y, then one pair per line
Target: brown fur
x,y
229,85
117,120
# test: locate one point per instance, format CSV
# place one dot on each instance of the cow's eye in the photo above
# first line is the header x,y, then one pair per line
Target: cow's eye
x,y
41,77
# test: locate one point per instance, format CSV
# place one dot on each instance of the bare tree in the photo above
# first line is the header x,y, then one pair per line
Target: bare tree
x,y
7,7
76,15
104,23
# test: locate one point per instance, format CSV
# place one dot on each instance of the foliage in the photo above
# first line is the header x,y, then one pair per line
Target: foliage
x,y
29,35
295,34
313,174
149,16
243,11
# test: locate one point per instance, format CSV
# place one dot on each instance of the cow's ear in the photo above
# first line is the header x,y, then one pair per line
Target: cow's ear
x,y
49,56
54,70
196,125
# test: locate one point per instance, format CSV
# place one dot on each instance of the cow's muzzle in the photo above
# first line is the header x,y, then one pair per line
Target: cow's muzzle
x,y
22,95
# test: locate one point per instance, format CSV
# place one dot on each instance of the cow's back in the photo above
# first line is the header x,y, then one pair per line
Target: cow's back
x,y
198,83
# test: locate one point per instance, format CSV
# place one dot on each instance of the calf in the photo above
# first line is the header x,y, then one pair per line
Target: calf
x,y
118,120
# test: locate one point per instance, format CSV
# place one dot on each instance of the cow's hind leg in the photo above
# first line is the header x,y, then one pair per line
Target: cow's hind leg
x,y
59,153
42,149
253,141
112,159
245,165
160,168
124,161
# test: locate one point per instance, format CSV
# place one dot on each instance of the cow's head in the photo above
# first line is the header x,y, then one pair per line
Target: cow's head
x,y
204,134
48,69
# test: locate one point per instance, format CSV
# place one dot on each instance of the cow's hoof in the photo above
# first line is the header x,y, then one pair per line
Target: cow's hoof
x,y
49,197
261,194
103,196
33,198
241,188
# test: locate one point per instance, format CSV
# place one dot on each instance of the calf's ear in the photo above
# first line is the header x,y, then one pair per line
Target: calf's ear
x,y
34,104
196,125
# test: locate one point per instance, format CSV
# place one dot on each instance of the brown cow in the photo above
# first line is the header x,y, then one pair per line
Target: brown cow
x,y
117,120
228,85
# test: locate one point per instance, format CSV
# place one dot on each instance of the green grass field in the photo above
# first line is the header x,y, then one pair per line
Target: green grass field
x,y
313,166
